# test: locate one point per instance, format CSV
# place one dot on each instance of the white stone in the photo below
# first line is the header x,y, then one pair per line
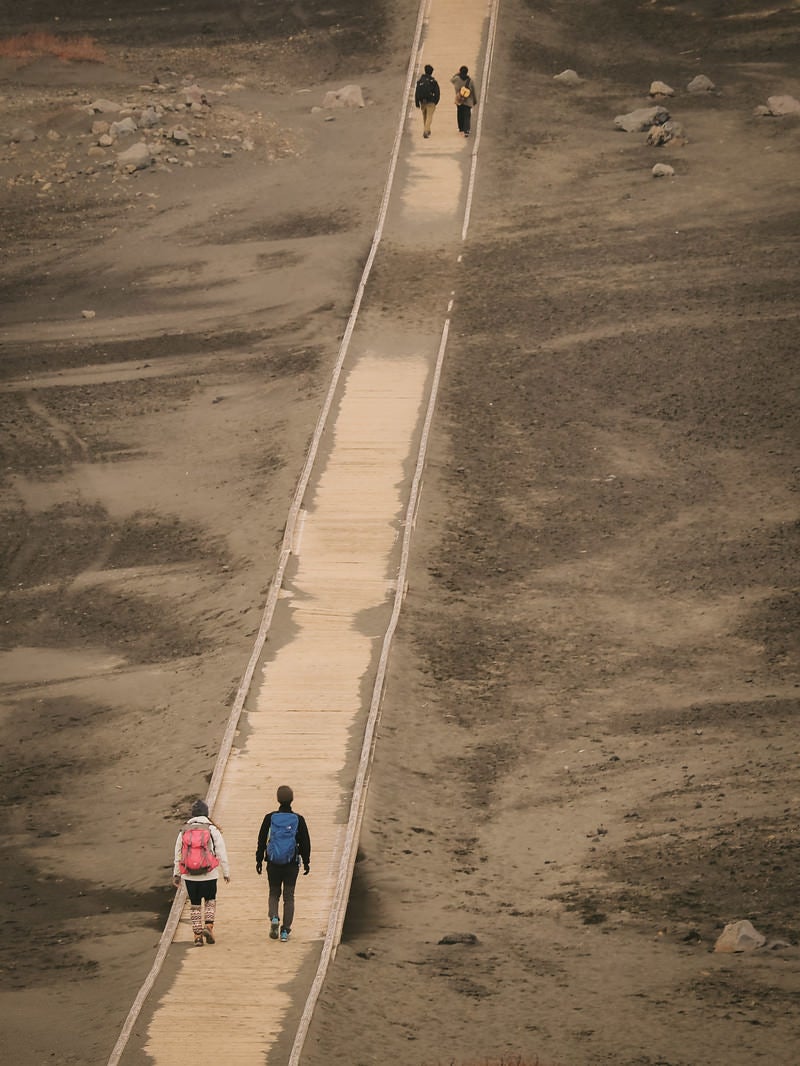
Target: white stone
x,y
642,119
701,84
660,88
783,105
347,96
104,106
137,157
663,170
739,936
125,125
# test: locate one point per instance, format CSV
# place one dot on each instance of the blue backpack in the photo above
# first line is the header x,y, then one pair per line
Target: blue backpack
x,y
282,839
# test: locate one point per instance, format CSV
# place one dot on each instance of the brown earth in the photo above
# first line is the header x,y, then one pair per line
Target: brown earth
x,y
588,754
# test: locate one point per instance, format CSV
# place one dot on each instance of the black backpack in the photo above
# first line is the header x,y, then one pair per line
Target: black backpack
x,y
426,89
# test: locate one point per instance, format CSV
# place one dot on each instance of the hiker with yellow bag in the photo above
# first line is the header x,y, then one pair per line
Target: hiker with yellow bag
x,y
466,99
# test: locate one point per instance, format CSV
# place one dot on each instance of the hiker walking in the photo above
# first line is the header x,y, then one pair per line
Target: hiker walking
x,y
199,855
426,97
466,99
283,838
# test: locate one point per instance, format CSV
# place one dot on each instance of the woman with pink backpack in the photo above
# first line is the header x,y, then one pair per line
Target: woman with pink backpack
x,y
199,856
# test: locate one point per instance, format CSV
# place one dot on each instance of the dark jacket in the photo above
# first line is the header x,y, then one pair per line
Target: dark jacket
x,y
427,90
303,839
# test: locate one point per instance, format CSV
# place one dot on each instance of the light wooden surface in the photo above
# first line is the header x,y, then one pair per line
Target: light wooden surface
x,y
304,717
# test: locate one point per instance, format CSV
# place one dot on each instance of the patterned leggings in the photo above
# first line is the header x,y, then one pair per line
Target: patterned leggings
x,y
201,892
196,915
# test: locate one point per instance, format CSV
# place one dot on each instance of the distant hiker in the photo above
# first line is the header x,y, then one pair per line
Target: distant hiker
x,y
426,97
199,856
283,838
466,99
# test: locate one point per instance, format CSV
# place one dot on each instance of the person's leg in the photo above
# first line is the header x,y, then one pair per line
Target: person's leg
x,y
275,878
428,110
460,109
209,891
289,882
467,120
195,911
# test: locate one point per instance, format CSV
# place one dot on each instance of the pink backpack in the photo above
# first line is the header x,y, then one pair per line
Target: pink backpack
x,y
197,850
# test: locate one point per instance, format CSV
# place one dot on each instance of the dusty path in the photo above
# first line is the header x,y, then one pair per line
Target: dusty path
x,y
309,715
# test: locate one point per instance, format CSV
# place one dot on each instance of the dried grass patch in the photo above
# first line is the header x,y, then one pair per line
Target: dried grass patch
x,y
68,49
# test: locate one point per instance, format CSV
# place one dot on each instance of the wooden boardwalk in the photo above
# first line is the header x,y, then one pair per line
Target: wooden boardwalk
x,y
313,688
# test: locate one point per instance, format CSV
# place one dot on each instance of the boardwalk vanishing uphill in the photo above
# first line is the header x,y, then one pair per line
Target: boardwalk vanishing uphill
x,y
308,704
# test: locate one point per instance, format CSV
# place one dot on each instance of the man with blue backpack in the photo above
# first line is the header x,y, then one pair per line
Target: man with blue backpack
x,y
283,839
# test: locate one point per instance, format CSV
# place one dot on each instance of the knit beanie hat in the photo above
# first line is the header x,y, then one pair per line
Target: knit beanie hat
x,y
199,809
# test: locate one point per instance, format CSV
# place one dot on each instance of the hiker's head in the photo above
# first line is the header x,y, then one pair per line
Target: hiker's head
x,y
199,809
285,795
428,69
463,71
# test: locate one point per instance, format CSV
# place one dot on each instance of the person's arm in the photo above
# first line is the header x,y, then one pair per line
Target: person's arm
x,y
176,860
416,95
436,93
263,833
220,851
304,843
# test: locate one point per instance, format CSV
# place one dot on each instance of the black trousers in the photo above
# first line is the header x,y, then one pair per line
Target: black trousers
x,y
282,880
464,116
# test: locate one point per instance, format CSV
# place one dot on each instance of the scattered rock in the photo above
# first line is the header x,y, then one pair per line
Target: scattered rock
x,y
149,117
568,77
125,125
783,105
105,140
642,119
180,135
100,126
663,170
193,96
138,157
53,135
459,938
104,107
23,135
739,936
348,96
701,84
88,314
660,88
670,132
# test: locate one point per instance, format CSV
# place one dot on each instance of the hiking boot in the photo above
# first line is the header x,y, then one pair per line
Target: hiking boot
x,y
198,940
208,933
285,935
274,928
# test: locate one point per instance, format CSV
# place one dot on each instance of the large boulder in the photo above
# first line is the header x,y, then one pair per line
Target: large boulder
x,y
739,936
348,96
660,88
138,157
104,107
124,126
701,84
783,105
642,119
